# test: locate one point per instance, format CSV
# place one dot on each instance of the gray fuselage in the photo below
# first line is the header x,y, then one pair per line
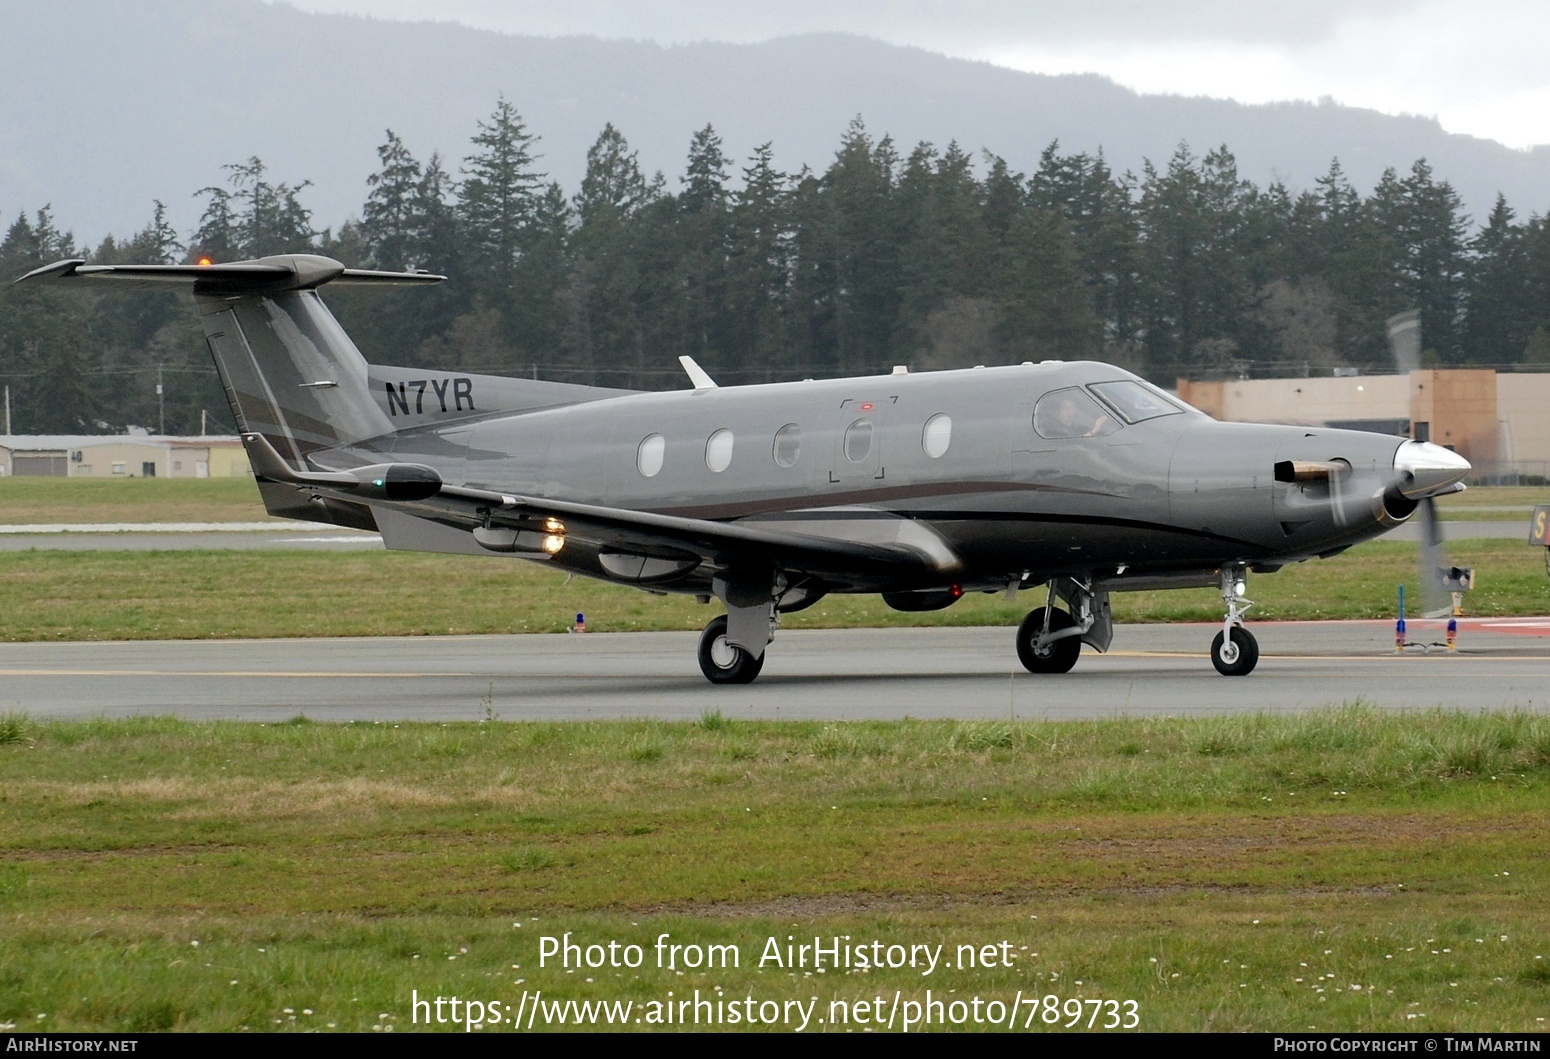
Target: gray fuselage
x,y
1167,500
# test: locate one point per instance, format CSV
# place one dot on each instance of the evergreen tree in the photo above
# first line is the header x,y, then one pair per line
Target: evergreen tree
x,y
860,231
542,277
1422,228
1198,292
498,197
46,348
130,320
606,330
1046,312
394,216
758,265
1498,295
947,260
407,222
254,218
1099,212
701,231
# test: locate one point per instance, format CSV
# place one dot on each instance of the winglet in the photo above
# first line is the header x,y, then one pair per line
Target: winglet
x,y
58,270
697,374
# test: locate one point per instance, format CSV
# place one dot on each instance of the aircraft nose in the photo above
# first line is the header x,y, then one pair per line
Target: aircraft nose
x,y
1425,469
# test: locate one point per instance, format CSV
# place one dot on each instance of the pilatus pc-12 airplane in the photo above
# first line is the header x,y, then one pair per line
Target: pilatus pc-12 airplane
x,y
920,487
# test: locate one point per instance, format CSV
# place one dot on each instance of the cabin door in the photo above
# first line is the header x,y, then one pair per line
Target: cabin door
x,y
857,458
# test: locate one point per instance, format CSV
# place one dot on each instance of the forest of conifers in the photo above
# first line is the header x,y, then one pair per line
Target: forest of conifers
x,y
933,258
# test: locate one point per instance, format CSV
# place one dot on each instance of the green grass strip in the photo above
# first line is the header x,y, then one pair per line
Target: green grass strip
x,y
1344,869
54,595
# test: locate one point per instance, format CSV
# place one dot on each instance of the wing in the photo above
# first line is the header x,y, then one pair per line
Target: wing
x,y
636,546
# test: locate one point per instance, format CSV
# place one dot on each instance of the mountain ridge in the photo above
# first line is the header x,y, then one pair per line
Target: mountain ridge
x,y
106,105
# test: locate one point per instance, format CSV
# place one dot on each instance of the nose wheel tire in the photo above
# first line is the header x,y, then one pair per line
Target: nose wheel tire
x,y
1237,656
1056,657
723,662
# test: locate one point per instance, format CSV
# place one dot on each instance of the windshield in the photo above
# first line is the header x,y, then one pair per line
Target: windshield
x,y
1137,402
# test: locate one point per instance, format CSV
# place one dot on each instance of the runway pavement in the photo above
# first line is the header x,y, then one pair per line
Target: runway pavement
x,y
831,675
186,536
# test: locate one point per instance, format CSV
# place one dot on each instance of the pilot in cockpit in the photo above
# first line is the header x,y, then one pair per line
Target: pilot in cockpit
x,y
1079,419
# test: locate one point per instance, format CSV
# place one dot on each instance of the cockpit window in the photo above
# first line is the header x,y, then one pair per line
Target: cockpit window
x,y
1071,413
1136,402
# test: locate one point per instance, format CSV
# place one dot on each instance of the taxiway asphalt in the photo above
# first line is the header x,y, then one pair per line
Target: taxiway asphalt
x,y
845,674
186,536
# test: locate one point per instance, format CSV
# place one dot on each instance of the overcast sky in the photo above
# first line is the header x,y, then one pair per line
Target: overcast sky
x,y
1479,66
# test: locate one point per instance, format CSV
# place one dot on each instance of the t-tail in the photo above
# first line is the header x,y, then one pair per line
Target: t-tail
x,y
290,372
297,385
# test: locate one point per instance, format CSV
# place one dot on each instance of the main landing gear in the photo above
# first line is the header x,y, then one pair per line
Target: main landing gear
x,y
1050,640
732,646
1234,652
722,661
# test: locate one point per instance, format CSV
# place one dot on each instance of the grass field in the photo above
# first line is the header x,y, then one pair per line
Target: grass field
x,y
1338,870
33,501
1344,869
171,595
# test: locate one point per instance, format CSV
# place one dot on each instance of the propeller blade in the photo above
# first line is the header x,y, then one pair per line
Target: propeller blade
x,y
1431,561
1404,331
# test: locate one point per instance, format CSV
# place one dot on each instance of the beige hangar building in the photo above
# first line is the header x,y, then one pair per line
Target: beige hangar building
x,y
1499,421
122,456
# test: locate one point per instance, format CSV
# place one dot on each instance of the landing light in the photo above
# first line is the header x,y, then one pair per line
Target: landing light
x,y
553,543
553,525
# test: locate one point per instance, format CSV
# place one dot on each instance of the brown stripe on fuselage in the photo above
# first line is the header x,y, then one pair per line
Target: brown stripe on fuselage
x,y
805,503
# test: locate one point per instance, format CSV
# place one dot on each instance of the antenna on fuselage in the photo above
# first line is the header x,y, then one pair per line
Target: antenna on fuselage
x,y
697,374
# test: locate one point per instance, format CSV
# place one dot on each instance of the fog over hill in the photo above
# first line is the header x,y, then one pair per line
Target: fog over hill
x,y
108,104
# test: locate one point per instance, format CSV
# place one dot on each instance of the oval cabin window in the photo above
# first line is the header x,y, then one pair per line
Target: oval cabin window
x,y
937,435
858,441
788,445
718,450
648,458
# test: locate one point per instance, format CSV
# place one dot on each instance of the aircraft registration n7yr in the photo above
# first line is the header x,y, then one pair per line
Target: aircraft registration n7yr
x,y
918,486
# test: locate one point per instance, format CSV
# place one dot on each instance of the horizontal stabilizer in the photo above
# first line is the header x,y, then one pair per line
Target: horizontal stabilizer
x,y
266,275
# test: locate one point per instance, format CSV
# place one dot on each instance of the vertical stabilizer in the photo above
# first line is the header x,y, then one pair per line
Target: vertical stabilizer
x,y
291,373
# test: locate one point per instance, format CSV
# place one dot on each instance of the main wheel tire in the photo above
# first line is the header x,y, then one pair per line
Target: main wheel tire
x,y
1238,657
723,662
1057,657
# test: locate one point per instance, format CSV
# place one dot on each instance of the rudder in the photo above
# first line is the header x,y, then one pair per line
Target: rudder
x,y
291,373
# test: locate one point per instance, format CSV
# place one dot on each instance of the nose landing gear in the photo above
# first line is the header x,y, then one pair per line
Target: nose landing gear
x,y
1234,652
